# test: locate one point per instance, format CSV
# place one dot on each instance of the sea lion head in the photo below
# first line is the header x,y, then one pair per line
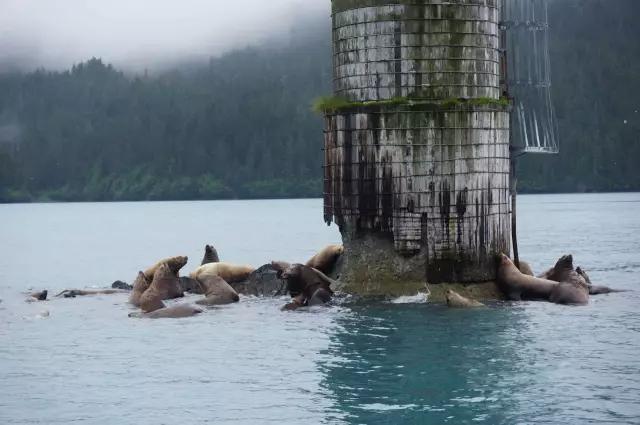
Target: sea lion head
x,y
176,263
503,259
565,263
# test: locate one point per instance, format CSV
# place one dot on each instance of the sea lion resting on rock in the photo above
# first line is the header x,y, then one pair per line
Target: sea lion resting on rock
x,y
229,272
174,264
307,286
72,293
164,283
217,292
210,255
176,311
326,258
140,285
456,300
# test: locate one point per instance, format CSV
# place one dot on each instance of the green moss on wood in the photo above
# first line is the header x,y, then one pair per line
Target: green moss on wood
x,y
333,104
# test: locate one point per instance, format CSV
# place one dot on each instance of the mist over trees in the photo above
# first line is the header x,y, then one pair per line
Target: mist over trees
x,y
242,125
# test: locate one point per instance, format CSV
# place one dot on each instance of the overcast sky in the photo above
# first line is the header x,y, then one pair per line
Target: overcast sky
x,y
135,34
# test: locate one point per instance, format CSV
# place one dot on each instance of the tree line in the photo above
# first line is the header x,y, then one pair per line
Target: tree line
x,y
241,126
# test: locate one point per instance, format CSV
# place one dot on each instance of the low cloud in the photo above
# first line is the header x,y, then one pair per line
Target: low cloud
x,y
136,34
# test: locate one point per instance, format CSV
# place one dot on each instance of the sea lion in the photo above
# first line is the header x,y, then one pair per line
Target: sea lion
x,y
210,255
140,285
174,263
72,293
176,311
596,289
228,271
217,292
518,286
456,300
572,288
163,285
40,296
307,286
570,293
326,258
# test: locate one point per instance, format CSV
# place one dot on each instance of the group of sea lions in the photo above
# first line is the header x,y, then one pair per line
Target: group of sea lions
x,y
217,281
561,284
308,284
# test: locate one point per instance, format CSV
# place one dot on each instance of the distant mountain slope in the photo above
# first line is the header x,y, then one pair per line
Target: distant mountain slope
x,y
241,126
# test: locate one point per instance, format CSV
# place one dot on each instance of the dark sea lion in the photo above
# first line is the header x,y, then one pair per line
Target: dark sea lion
x,y
458,301
140,285
174,264
563,271
163,284
518,286
217,292
40,296
326,258
173,312
210,255
307,285
596,289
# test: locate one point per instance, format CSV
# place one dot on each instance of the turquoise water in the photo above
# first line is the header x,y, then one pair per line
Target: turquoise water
x,y
361,362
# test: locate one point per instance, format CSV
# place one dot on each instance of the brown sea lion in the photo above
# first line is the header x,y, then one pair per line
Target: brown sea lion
x,y
458,301
174,263
570,293
176,311
229,272
572,288
307,286
163,284
72,293
326,258
140,285
518,286
210,255
217,292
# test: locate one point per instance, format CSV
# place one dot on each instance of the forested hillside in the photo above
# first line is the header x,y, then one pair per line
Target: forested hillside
x,y
242,126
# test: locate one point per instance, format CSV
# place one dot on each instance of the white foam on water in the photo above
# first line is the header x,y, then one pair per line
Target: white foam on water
x,y
419,298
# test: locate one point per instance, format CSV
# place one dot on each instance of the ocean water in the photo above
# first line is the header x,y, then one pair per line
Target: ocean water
x,y
402,362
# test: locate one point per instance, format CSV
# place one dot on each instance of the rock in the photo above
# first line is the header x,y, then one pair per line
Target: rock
x,y
262,282
118,284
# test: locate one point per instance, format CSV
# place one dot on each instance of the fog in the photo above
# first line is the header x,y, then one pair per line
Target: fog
x,y
139,34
